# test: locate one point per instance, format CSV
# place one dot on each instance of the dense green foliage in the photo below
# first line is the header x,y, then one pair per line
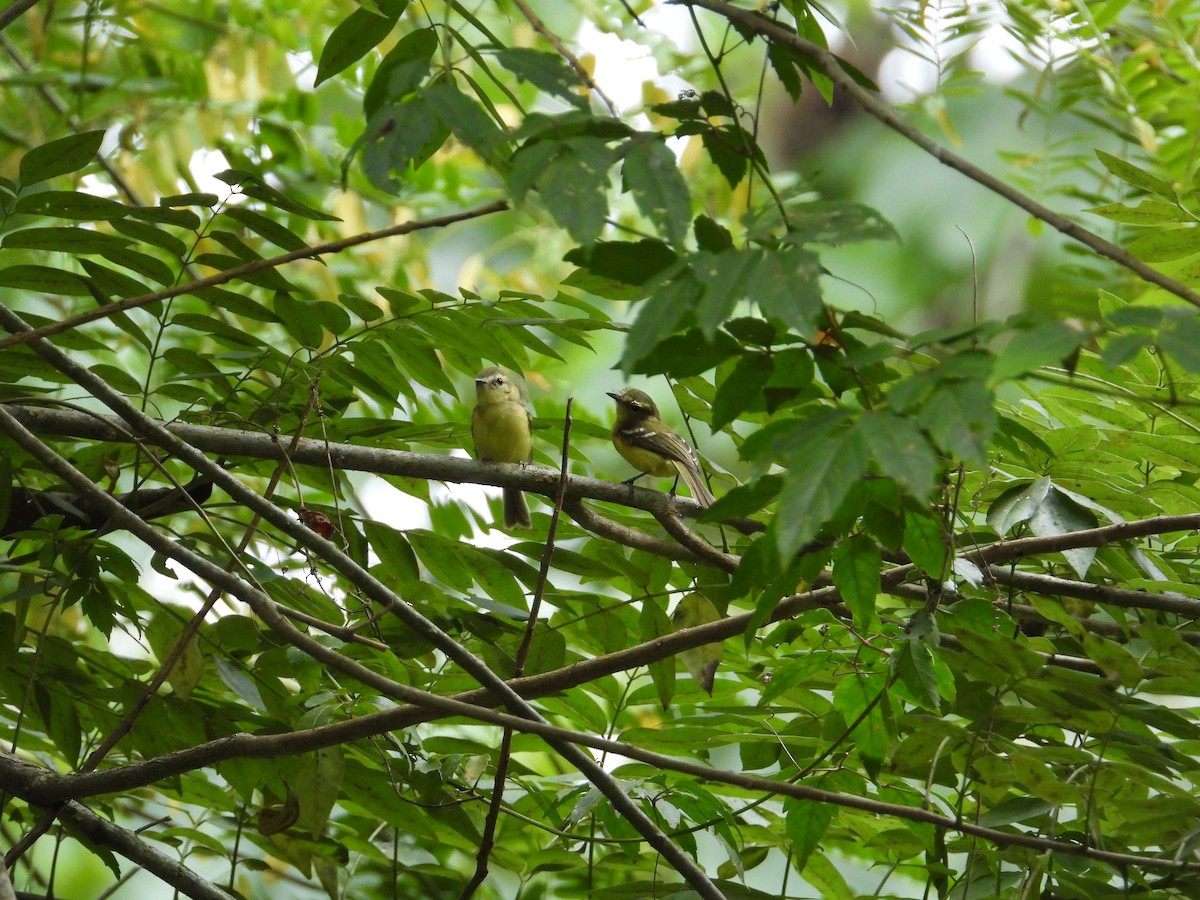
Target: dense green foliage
x,y
953,559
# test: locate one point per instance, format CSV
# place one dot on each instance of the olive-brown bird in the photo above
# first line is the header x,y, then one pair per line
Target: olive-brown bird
x,y
651,447
500,424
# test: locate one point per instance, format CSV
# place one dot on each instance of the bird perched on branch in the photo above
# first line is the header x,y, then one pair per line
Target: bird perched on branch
x,y
500,424
651,447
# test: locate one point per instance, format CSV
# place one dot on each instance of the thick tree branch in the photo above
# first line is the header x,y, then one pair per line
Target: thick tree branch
x,y
1099,593
871,104
100,831
673,525
49,787
1010,551
436,467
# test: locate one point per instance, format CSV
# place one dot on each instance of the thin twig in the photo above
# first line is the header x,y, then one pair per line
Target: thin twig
x,y
487,837
57,104
257,265
673,525
565,52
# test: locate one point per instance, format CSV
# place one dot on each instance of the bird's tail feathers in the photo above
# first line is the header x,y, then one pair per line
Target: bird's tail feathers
x,y
695,482
516,510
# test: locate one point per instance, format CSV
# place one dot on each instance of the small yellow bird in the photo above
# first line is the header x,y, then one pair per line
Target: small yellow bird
x,y
500,424
651,447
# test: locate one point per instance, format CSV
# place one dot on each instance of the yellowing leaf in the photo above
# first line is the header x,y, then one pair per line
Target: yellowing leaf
x,y
701,662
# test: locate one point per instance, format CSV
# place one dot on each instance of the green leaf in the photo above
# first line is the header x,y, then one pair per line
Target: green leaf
x,y
1139,178
469,122
901,451
546,71
206,200
1047,344
807,822
234,678
726,278
744,500
725,149
59,157
318,786
267,228
1017,505
1149,212
1182,342
44,280
299,321
253,186
652,175
924,542
856,565
741,387
70,205
912,661
685,354
1049,511
574,187
152,235
712,236
355,35
785,62
402,70
787,287
658,318
1167,245
836,222
61,721
820,471
961,418
825,878
653,623
858,694
66,239
1116,661
619,270
399,136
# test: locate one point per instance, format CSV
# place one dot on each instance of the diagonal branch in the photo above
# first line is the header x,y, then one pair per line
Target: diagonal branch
x,y
829,65
565,52
257,265
13,11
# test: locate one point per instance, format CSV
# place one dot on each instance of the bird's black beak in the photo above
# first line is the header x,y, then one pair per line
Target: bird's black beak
x,y
616,397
